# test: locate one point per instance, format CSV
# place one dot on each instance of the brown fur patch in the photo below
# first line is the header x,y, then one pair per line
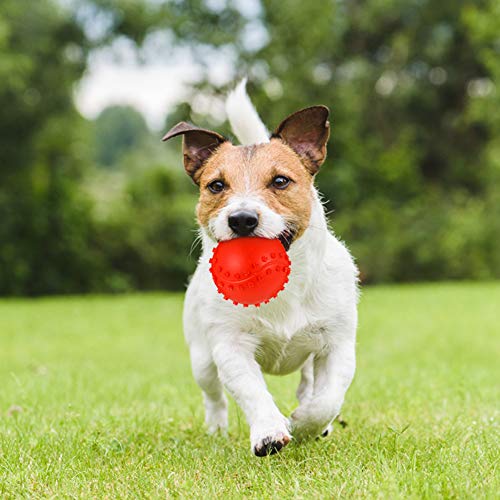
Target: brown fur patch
x,y
251,169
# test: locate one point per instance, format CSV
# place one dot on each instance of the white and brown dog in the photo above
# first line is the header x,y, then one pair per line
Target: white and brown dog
x,y
265,187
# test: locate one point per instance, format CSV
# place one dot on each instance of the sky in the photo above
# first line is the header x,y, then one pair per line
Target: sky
x,y
152,88
154,85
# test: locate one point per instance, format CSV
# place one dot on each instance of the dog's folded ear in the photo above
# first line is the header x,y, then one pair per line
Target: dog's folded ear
x,y
307,132
198,145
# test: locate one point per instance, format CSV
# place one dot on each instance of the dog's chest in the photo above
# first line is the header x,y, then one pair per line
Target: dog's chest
x,y
285,344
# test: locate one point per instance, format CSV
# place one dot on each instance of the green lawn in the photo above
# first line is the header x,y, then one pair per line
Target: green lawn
x,y
102,404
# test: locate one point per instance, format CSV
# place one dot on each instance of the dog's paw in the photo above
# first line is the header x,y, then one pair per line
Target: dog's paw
x,y
269,439
328,431
271,444
311,421
307,429
216,419
217,428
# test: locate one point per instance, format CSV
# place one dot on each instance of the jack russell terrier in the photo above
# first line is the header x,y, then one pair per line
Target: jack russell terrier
x,y
265,187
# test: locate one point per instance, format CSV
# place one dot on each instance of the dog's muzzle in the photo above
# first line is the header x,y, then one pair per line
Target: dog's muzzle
x,y
243,222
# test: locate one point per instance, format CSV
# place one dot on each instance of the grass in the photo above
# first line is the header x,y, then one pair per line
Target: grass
x,y
97,400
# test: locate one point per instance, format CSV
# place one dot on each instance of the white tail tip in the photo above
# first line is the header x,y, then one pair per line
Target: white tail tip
x,y
243,117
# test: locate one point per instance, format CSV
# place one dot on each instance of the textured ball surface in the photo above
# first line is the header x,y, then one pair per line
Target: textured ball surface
x,y
250,270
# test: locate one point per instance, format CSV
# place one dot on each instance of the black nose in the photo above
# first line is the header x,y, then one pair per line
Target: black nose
x,y
243,222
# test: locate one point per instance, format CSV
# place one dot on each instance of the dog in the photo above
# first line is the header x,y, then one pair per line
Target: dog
x,y
264,187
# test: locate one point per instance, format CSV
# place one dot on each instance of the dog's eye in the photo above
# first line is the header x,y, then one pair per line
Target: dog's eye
x,y
280,182
216,186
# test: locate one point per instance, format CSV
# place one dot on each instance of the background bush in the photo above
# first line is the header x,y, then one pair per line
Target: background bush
x,y
411,181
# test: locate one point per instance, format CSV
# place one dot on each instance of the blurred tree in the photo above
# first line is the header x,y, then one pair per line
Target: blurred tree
x,y
43,53
44,222
118,130
147,236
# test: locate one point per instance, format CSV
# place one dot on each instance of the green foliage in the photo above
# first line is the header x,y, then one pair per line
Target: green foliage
x,y
103,403
429,238
118,130
45,222
46,241
43,53
147,234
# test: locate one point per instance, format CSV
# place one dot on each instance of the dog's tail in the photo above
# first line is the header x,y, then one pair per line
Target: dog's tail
x,y
243,117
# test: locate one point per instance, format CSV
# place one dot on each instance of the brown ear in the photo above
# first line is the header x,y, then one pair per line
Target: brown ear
x,y
306,132
197,146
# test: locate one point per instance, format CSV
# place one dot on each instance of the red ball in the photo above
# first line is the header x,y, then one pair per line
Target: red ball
x,y
250,270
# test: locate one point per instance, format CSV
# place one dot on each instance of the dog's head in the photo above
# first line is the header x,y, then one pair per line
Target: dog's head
x,y
260,190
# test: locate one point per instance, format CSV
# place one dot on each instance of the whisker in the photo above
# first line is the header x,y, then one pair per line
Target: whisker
x,y
197,241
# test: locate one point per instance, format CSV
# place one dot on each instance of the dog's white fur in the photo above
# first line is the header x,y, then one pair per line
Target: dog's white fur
x,y
243,117
310,325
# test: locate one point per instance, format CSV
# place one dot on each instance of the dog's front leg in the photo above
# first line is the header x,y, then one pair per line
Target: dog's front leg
x,y
333,373
205,374
242,377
